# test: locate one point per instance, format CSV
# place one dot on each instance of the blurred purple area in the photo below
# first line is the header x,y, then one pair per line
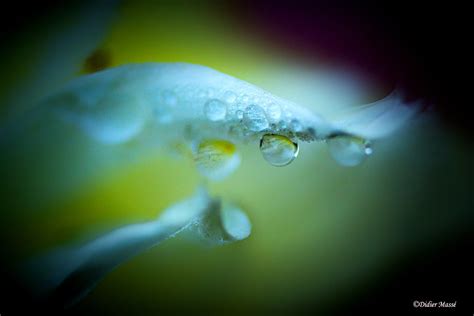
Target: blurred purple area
x,y
417,47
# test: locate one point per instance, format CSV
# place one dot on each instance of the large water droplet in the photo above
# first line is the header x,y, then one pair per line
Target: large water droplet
x,y
278,150
215,110
255,119
349,150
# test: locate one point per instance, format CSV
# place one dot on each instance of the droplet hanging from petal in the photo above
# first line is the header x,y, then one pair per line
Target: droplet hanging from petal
x,y
278,150
349,150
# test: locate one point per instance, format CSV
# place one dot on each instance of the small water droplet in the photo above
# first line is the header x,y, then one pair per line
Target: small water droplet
x,y
230,97
296,126
215,110
278,150
273,112
239,114
349,150
245,98
255,119
170,98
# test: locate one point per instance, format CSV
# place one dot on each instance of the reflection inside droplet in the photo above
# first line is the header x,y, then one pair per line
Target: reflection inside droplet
x,y
216,159
349,150
278,150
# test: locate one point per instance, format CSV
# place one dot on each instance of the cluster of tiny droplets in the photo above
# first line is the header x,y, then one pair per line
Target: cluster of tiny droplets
x,y
245,114
250,113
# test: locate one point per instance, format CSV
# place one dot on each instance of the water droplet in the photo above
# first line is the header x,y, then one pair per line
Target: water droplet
x,y
170,98
349,150
245,98
296,126
273,112
278,150
255,119
215,110
239,114
216,159
230,97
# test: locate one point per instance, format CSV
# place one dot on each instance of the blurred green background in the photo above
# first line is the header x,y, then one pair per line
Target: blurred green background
x,y
321,233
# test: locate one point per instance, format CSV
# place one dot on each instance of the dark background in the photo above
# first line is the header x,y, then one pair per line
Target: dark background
x,y
421,46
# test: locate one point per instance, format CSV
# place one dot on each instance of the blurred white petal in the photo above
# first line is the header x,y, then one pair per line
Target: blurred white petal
x,y
379,119
66,275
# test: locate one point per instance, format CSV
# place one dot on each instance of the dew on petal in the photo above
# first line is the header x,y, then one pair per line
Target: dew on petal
x,y
273,112
349,150
215,110
255,119
296,125
230,97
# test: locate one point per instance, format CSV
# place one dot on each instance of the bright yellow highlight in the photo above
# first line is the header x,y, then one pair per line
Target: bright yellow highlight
x,y
219,146
216,159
